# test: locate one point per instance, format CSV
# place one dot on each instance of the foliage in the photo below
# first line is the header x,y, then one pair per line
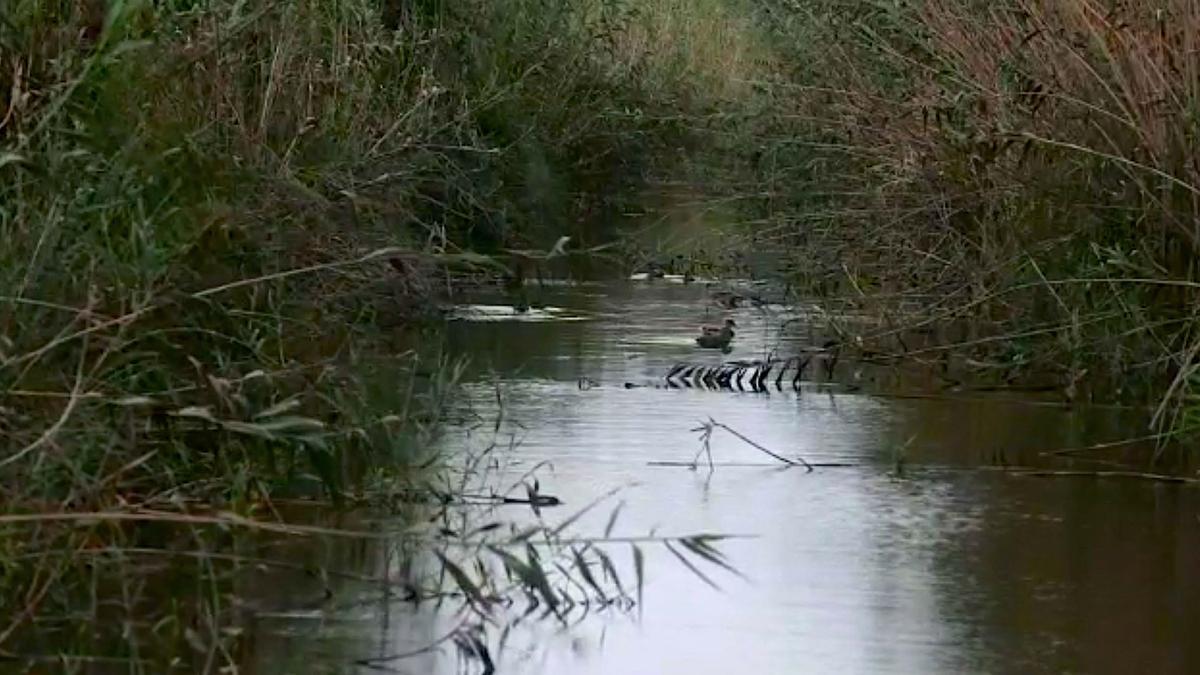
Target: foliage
x,y
1027,166
211,208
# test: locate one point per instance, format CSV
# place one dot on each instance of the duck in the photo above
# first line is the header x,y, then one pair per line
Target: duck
x,y
652,271
712,337
713,330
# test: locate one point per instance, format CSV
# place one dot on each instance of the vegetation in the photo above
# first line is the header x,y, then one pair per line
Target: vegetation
x,y
223,223
217,216
1027,168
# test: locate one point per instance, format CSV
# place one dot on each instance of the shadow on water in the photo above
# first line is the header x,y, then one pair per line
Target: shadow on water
x,y
940,563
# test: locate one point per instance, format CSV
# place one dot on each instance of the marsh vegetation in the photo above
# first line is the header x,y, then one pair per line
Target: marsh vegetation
x,y
227,227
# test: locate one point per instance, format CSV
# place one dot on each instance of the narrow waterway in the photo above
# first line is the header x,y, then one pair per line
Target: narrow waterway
x,y
949,565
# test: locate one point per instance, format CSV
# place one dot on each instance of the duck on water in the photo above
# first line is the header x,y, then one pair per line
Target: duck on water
x,y
713,337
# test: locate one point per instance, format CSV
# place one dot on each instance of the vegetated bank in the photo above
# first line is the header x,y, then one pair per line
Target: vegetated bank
x,y
214,213
222,224
1011,189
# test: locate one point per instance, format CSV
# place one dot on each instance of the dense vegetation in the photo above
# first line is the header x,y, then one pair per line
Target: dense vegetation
x,y
200,199
223,223
1027,165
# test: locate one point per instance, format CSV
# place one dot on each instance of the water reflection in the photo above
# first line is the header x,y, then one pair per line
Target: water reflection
x,y
854,569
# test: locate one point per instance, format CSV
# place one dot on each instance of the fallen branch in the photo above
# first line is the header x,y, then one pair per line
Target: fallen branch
x,y
221,520
1008,470
534,500
1104,446
1137,475
760,465
705,430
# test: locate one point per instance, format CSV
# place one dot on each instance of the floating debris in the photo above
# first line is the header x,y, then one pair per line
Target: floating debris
x,y
752,376
670,278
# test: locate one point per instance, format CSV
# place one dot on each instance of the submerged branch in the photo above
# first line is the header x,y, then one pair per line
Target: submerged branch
x,y
706,430
1137,475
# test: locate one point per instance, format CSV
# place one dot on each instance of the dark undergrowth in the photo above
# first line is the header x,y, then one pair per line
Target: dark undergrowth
x,y
224,227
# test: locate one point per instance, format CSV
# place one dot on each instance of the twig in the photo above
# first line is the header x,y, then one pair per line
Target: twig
x,y
223,557
759,465
224,519
136,314
229,519
50,432
1139,475
274,276
1103,446
706,433
1115,158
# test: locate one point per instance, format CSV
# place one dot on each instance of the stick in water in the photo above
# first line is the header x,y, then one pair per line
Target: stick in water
x,y
706,433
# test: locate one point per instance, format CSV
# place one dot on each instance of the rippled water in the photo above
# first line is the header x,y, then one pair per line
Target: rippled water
x,y
951,566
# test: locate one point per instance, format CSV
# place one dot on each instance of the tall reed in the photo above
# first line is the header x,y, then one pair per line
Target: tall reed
x,y
1030,165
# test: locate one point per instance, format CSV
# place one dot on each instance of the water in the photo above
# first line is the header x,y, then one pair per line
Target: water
x,y
948,567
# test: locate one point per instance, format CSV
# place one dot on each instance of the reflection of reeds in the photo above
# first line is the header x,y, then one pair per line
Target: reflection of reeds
x,y
497,571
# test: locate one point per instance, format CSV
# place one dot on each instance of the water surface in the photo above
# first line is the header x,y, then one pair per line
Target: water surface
x,y
948,566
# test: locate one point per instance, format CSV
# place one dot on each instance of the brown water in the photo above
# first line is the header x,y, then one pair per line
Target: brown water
x,y
949,567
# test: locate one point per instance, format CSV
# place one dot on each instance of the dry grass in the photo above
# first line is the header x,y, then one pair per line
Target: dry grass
x,y
713,45
1016,165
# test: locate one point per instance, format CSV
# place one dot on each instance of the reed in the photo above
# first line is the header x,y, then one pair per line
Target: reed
x,y
199,202
1009,165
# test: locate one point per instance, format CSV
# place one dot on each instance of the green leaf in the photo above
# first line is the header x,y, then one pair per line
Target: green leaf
x,y
286,405
610,571
639,570
326,469
581,564
463,582
699,545
133,401
531,576
196,412
688,563
612,520
292,424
